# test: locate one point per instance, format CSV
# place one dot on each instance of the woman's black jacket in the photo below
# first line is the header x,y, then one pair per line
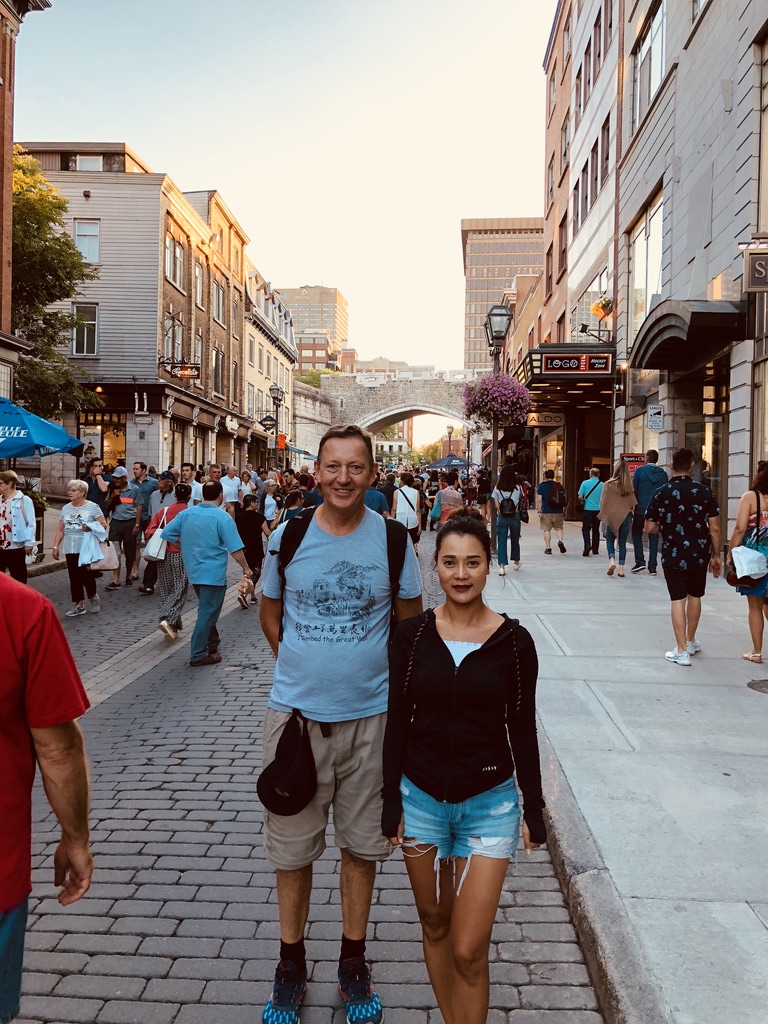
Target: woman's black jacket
x,y
456,732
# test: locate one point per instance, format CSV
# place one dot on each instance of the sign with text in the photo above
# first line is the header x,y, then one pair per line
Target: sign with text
x,y
269,422
655,417
546,419
634,460
756,270
579,362
186,371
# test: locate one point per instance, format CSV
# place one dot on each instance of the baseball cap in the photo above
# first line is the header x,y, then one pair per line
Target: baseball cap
x,y
119,471
165,475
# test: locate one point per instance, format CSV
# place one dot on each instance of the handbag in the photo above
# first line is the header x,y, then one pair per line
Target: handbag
x,y
108,560
748,564
156,547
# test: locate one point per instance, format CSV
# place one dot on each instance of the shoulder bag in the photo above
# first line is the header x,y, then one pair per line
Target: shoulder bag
x,y
581,500
157,546
748,564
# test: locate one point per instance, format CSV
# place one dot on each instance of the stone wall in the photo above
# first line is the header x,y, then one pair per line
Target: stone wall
x,y
313,413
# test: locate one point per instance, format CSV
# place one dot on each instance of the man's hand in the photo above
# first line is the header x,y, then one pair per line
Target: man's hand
x,y
715,565
72,869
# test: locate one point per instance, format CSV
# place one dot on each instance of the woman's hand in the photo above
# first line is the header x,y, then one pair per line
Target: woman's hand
x,y
398,839
86,529
527,840
55,553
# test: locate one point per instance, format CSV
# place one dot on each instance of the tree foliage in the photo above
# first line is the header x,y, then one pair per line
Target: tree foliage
x,y
312,377
428,453
47,269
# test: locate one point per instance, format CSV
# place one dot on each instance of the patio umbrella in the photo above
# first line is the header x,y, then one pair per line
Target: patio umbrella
x,y
449,462
24,435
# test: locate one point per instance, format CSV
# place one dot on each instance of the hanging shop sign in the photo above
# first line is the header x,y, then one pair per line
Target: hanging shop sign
x,y
634,460
269,422
579,362
185,371
756,270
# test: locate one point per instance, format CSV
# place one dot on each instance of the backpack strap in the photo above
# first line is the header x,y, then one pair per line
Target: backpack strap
x,y
397,543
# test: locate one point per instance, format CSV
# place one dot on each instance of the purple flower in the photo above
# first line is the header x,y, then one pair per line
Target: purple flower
x,y
501,395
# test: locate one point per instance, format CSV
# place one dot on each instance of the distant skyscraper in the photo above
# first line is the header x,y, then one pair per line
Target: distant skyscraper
x,y
495,251
315,308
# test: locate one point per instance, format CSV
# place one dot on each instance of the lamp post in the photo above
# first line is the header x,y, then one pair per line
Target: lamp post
x,y
449,432
496,325
277,395
469,442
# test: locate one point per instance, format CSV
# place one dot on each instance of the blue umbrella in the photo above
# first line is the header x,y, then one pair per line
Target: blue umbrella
x,y
23,435
449,462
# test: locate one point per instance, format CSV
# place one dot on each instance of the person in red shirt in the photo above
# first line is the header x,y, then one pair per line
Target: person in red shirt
x,y
41,695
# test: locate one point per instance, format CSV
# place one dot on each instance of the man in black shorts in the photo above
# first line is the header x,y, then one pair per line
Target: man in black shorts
x,y
687,516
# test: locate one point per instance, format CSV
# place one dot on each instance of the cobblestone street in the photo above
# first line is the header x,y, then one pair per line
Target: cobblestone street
x,y
181,922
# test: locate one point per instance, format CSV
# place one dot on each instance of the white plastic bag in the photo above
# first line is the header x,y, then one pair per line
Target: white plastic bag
x,y
748,562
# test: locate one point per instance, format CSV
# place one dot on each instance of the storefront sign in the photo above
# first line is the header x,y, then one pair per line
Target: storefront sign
x,y
655,417
546,419
756,270
579,362
186,371
643,382
634,460
90,435
269,422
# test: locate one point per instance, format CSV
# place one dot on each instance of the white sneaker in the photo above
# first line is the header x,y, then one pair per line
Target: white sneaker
x,y
693,647
95,603
677,657
74,611
502,571
167,630
516,566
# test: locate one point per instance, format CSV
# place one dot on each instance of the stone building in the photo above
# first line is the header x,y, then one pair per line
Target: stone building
x,y
11,14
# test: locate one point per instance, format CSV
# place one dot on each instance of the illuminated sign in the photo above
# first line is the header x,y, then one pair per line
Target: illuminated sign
x,y
579,362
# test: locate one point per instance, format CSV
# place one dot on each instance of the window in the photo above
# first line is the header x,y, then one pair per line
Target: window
x,y
562,240
565,142
217,371
567,40
594,173
169,257
605,149
648,65
608,24
698,7
261,359
548,273
217,292
197,357
584,193
552,94
174,261
85,334
268,374
762,210
251,409
597,42
235,393
646,241
87,239
251,349
236,261
551,183
260,404
199,285
168,336
89,163
587,73
577,97
560,330
235,318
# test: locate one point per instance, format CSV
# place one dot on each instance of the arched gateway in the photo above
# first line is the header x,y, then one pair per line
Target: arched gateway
x,y
376,405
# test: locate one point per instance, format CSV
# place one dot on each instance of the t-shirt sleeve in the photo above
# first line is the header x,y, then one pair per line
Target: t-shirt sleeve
x,y
410,575
270,577
540,489
583,487
53,695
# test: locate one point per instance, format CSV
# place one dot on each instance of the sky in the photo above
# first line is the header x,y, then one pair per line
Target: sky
x,y
348,137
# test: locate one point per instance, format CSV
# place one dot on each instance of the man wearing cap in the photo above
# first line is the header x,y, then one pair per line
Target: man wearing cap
x,y
147,485
327,620
163,497
124,508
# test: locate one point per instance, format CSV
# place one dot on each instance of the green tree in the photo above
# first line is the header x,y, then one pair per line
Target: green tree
x,y
312,377
428,453
47,268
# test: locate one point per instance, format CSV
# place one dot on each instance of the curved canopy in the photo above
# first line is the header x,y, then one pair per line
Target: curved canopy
x,y
684,334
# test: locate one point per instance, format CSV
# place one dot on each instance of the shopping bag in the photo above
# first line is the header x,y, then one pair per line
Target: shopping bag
x,y
156,547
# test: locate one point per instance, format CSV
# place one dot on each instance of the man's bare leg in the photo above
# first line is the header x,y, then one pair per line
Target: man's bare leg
x,y
356,890
293,891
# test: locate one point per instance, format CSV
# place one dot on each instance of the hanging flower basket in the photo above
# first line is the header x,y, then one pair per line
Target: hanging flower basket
x,y
602,308
501,395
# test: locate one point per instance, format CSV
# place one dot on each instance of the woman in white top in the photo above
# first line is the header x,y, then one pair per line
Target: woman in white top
x,y
406,508
506,493
73,525
270,509
17,527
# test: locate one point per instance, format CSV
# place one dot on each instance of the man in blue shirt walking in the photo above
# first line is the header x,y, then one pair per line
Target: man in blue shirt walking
x,y
207,535
646,481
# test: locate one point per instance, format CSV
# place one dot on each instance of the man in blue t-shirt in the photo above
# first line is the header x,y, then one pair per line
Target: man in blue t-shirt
x,y
550,516
591,489
334,608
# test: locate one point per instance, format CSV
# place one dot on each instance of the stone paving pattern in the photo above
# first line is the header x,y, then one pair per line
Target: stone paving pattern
x,y
180,924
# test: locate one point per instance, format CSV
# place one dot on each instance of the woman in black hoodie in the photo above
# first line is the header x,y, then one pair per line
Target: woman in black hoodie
x,y
461,727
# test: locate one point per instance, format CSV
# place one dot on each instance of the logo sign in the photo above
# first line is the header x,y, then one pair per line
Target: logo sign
x,y
579,362
8,432
186,371
546,419
281,440
756,270
269,422
655,417
634,460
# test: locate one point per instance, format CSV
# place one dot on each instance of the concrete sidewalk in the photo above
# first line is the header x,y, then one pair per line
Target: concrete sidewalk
x,y
655,777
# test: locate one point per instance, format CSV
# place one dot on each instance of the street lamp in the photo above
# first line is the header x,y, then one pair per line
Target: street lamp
x,y
449,432
497,324
277,395
469,442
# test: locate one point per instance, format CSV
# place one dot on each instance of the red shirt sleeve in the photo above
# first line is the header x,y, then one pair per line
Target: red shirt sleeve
x,y
54,691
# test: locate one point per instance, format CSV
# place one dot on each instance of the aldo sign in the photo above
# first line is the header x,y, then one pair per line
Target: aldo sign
x,y
756,270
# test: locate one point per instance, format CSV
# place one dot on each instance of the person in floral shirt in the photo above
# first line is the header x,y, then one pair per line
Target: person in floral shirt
x,y
17,527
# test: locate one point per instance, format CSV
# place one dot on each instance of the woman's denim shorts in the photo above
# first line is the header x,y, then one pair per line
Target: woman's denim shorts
x,y
486,825
12,926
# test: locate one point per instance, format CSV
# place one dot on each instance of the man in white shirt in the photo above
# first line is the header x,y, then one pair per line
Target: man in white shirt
x,y
188,477
233,492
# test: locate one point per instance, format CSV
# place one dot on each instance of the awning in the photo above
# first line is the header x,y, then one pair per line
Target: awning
x,y
685,334
508,436
301,451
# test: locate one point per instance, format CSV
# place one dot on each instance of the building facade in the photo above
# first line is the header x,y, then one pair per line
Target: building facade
x,y
11,14
494,251
172,331
317,351
316,308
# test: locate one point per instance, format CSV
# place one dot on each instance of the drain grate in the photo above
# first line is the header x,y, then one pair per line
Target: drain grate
x,y
761,685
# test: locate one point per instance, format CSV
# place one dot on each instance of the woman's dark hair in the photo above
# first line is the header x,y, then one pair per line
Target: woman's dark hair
x,y
466,522
433,477
183,492
507,478
760,479
452,478
407,479
293,498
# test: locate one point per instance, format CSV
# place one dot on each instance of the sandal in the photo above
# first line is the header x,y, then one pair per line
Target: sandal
x,y
756,659
620,574
611,570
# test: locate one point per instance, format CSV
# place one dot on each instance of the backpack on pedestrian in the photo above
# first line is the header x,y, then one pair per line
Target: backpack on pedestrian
x,y
507,505
557,498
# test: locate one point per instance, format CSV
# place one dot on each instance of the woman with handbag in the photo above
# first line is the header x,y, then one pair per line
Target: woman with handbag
x,y
751,530
74,523
617,500
172,581
461,730
17,527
